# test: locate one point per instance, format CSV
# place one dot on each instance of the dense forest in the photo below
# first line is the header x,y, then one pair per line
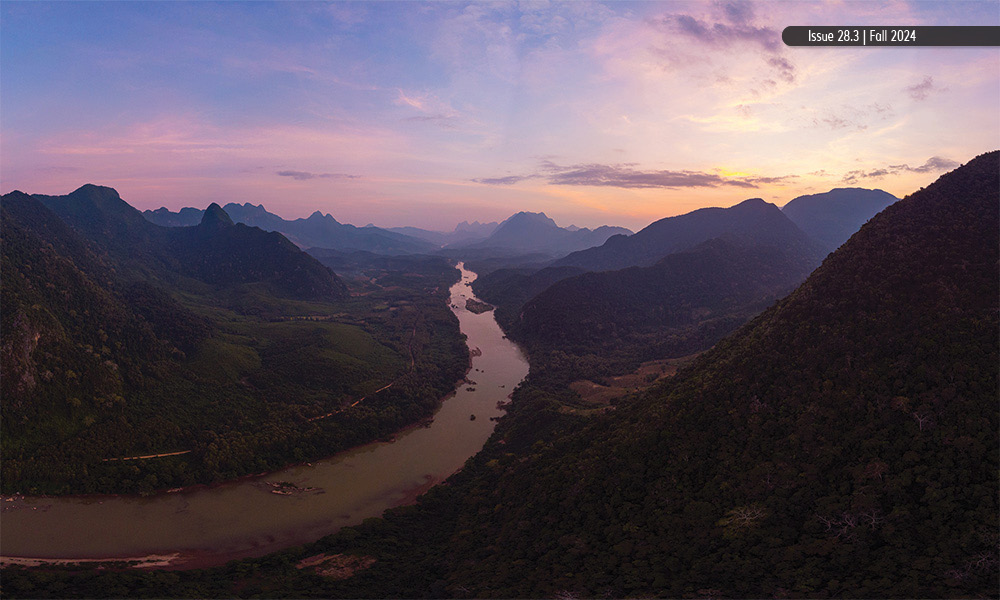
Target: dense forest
x,y
221,342
842,444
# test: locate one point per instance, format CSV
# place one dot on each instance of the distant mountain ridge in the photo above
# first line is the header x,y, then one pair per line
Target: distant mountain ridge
x,y
832,217
753,220
316,231
464,232
216,251
747,225
529,232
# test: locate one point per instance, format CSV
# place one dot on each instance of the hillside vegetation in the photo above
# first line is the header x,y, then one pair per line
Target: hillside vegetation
x,y
219,342
844,443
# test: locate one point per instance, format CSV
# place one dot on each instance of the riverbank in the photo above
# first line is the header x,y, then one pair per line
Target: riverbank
x,y
210,524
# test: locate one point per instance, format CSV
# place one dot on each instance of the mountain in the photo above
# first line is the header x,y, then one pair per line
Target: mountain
x,y
508,289
754,221
316,231
186,217
682,304
221,252
476,228
834,216
844,443
464,232
216,251
529,232
60,297
219,341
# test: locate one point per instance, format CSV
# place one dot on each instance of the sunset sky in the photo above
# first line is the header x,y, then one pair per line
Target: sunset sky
x,y
427,114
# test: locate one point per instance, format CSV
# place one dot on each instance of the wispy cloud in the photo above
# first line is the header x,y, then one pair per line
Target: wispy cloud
x,y
627,176
920,91
509,180
305,175
934,164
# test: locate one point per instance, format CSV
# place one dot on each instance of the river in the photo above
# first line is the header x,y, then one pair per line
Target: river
x,y
204,526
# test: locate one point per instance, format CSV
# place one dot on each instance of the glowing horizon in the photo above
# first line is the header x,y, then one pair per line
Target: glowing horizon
x,y
428,114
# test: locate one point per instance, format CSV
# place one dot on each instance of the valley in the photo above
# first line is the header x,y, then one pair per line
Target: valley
x,y
804,444
209,525
472,299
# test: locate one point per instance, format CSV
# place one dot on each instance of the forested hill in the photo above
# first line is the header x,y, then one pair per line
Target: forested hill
x,y
222,252
682,304
755,221
842,444
216,251
61,302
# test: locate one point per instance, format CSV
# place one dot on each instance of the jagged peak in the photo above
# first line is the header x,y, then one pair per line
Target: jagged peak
x,y
215,217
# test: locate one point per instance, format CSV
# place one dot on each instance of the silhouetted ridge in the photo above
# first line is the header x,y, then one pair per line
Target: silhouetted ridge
x,y
527,232
754,220
832,217
316,231
215,252
215,217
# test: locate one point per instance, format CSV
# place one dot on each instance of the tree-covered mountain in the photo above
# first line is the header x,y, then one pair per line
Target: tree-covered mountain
x,y
318,230
832,217
753,220
747,226
684,303
842,444
72,329
218,341
216,251
527,232
221,252
509,288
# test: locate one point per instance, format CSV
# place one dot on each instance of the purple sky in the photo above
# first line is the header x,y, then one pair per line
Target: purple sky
x,y
428,114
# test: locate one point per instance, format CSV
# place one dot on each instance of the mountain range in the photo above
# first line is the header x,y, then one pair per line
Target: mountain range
x,y
844,443
527,232
316,231
464,232
750,226
753,220
217,340
216,251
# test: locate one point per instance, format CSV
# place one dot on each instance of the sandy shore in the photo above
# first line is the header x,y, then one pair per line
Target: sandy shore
x,y
139,562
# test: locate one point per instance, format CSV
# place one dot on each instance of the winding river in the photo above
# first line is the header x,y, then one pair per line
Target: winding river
x,y
204,526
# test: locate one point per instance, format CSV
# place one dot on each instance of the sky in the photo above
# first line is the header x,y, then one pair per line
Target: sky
x,y
432,113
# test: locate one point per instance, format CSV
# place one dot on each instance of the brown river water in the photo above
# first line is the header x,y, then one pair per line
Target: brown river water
x,y
203,526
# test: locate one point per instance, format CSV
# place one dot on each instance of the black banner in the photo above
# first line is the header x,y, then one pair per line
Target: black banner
x,y
886,35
